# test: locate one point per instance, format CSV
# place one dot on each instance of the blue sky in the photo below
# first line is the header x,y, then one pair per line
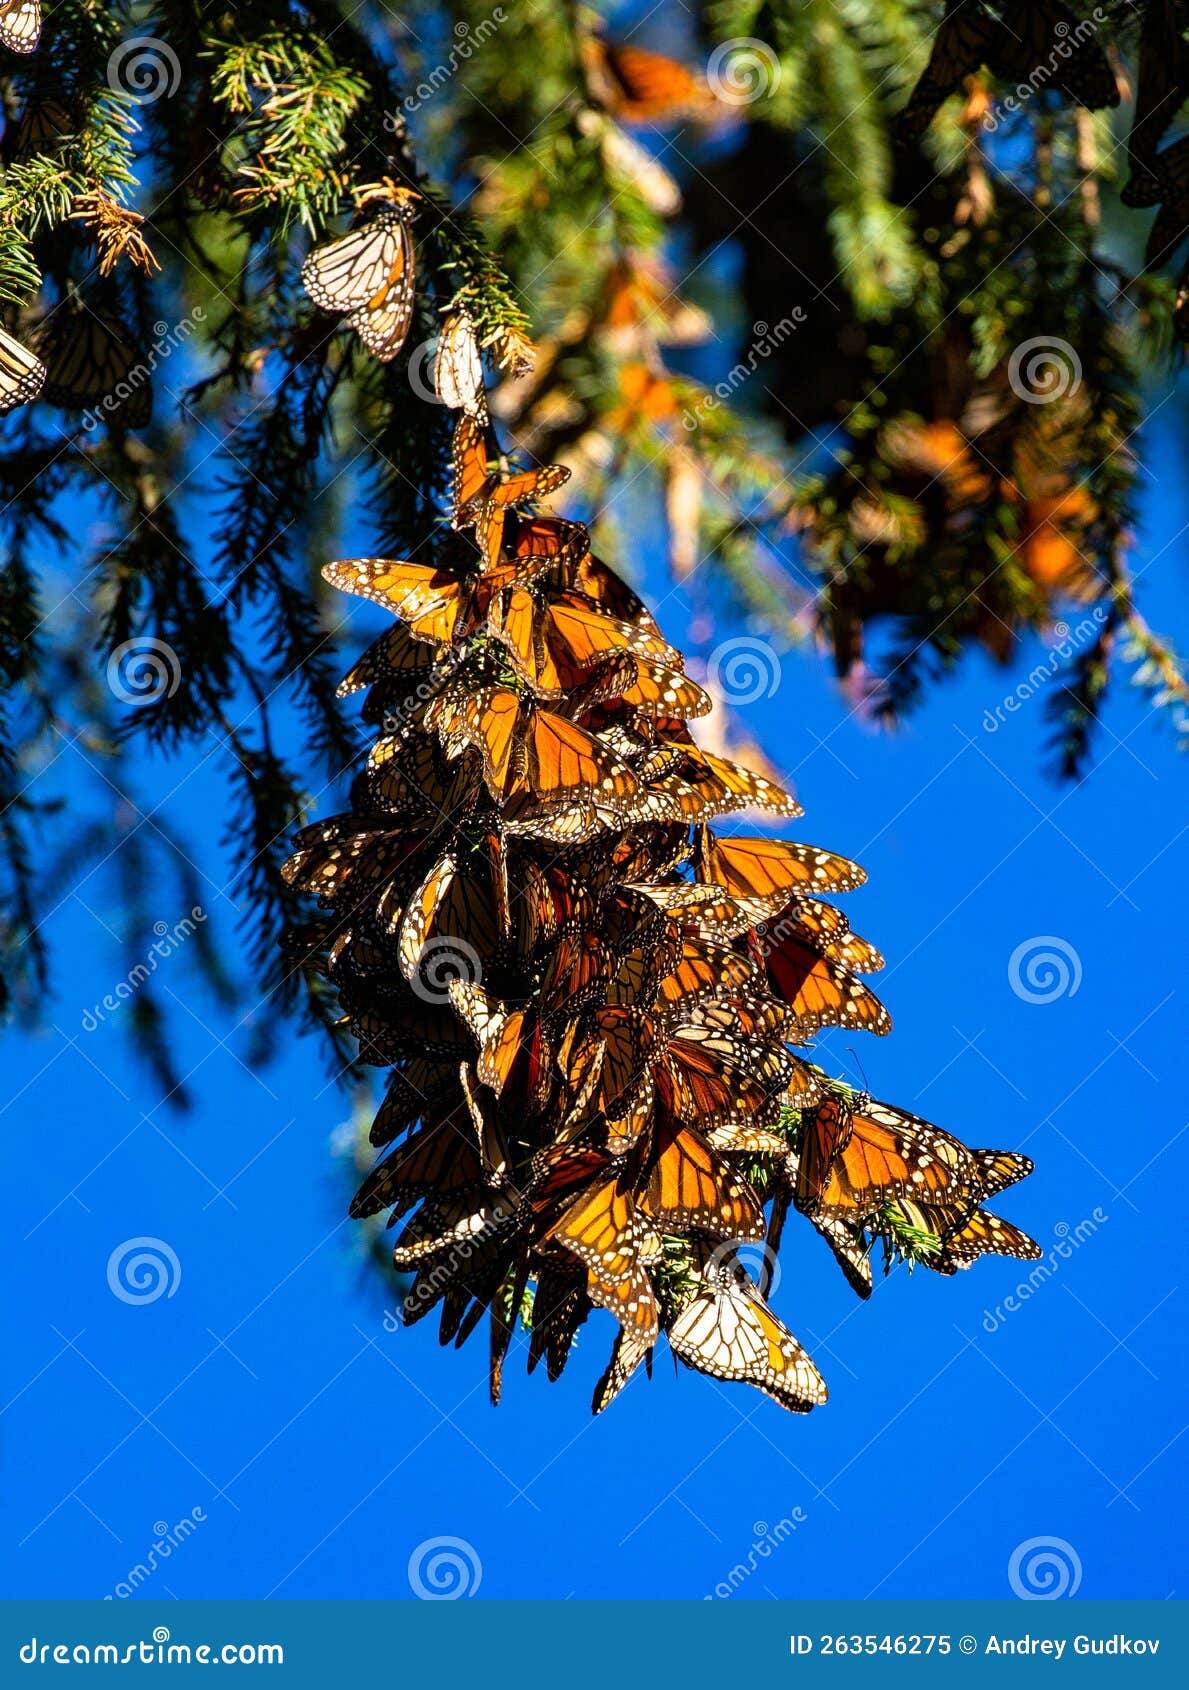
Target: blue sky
x,y
316,1451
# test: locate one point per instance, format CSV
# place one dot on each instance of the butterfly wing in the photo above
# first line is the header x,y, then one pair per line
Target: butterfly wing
x,y
20,25
22,375
728,1331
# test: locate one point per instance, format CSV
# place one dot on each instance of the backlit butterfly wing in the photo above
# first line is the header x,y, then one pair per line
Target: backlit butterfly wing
x,y
20,25
22,375
397,656
820,993
490,721
416,922
887,1154
429,601
962,1235
438,1227
727,1330
761,867
691,1189
830,932
440,1160
559,1308
731,786
851,1251
606,1232
412,1092
823,1137
629,1351
91,365
564,759
997,1169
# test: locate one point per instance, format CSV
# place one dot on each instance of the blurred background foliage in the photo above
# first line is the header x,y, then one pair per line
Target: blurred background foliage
x,y
875,382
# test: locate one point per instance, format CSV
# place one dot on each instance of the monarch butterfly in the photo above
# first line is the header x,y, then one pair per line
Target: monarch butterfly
x,y
458,368
727,1330
22,375
638,86
555,644
629,1350
760,868
369,273
527,749
560,1305
820,992
396,655
482,500
503,1034
438,606
697,1084
830,932
606,1232
328,852
1040,40
691,1189
961,1235
20,25
91,366
731,786
629,1039
1163,87
856,1154
852,1250
440,1160
440,1225
414,1089
44,122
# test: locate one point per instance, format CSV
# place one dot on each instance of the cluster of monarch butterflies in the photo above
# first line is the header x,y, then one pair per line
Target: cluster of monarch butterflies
x,y
595,1003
